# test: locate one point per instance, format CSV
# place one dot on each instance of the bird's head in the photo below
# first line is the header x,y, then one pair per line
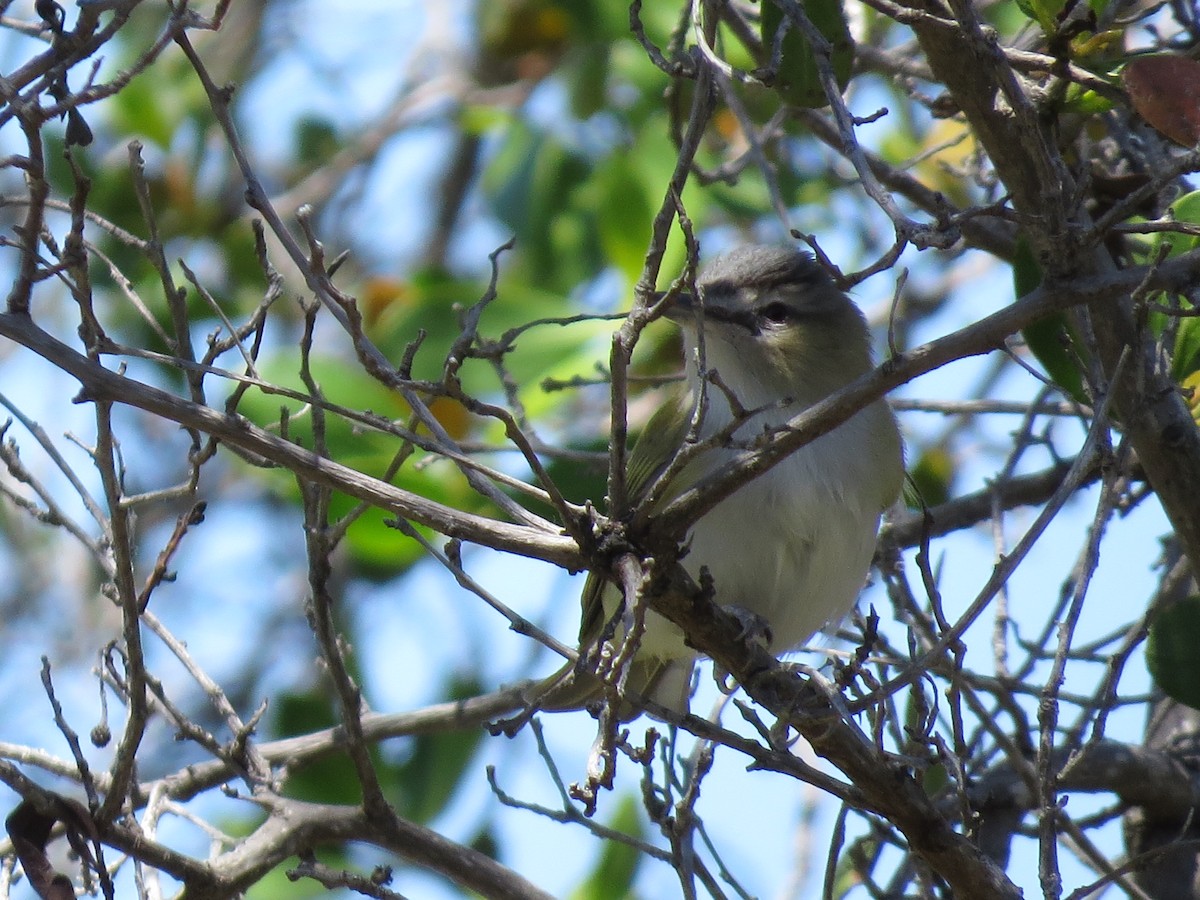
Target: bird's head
x,y
773,326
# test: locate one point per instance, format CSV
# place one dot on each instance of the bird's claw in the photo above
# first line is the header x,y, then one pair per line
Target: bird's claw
x,y
751,626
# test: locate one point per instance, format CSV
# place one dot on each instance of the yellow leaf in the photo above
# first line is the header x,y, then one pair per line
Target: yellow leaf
x,y
451,415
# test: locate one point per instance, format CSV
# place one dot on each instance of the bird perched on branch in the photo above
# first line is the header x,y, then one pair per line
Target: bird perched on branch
x,y
766,336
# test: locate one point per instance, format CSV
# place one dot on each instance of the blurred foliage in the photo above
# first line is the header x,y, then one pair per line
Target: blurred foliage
x,y
1181,322
1171,651
612,877
574,169
932,474
419,780
798,78
1050,340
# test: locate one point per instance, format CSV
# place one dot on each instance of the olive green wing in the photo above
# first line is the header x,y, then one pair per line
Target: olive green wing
x,y
665,681
658,443
652,453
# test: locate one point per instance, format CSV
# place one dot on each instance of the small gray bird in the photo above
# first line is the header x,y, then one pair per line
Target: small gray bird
x,y
793,546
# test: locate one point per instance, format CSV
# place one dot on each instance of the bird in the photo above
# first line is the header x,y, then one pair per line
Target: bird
x,y
766,331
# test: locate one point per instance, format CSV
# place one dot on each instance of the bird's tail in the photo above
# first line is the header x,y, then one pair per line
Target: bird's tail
x,y
666,683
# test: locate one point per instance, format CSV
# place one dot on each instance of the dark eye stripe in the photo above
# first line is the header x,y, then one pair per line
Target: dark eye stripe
x,y
776,313
745,318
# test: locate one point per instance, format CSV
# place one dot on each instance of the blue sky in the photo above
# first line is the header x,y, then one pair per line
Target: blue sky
x,y
352,56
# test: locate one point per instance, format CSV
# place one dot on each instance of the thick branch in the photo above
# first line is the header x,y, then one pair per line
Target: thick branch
x,y
295,826
1141,776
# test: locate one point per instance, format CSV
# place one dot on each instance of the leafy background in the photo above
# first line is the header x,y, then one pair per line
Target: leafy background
x,y
423,136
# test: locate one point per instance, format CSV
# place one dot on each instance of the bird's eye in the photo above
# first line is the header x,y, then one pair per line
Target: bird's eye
x,y
776,313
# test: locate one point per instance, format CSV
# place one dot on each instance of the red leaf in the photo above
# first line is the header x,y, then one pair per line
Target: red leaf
x,y
1165,91
29,830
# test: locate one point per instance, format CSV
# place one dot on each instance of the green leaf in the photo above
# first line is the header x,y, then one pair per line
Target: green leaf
x,y
933,475
1044,12
479,118
935,779
1185,209
861,856
798,80
426,781
588,80
315,140
1050,339
536,186
1171,653
625,213
1185,358
140,110
382,551
612,878
1083,101
330,779
154,105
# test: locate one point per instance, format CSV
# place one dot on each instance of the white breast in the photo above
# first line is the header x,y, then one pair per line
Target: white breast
x,y
791,546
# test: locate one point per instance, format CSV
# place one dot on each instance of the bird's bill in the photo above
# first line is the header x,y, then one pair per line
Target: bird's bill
x,y
683,308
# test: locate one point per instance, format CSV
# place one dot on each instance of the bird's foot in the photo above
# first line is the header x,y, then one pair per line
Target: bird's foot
x,y
753,628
